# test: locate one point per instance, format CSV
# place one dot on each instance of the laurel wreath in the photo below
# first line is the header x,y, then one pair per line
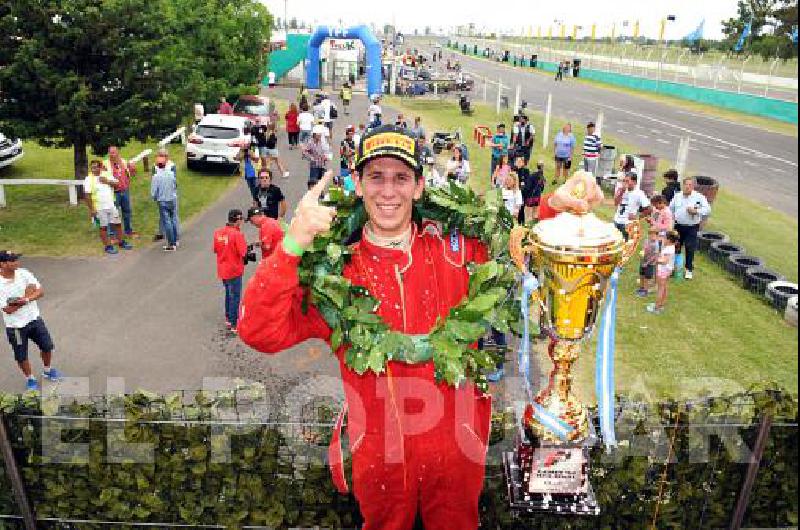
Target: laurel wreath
x,y
350,310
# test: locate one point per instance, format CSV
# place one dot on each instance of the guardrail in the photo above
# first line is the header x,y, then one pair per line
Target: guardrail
x,y
70,184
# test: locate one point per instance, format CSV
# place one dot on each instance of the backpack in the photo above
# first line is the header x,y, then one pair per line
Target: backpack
x,y
334,113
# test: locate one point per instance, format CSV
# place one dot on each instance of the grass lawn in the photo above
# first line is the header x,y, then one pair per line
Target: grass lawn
x,y
734,117
39,220
714,335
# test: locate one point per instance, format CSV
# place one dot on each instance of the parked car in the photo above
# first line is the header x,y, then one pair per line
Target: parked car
x,y
254,108
218,139
10,150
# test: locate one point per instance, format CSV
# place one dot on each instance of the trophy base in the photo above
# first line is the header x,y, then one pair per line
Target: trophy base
x,y
544,477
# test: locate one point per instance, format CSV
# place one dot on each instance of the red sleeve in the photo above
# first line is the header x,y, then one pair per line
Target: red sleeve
x,y
271,317
545,210
241,244
215,246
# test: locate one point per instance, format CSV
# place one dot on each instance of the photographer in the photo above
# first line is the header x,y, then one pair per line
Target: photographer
x,y
231,249
689,208
270,233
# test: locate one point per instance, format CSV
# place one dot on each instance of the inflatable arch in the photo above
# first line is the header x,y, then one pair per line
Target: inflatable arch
x,y
365,35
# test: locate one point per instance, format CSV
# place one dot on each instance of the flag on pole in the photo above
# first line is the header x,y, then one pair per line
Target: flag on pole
x,y
574,32
636,30
794,35
661,29
594,31
742,37
697,34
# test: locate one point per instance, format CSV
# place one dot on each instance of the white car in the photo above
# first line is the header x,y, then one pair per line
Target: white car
x,y
218,139
10,150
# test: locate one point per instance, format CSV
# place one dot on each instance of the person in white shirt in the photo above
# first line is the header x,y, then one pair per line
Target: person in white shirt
x,y
325,111
19,290
512,194
359,134
375,113
433,178
99,187
631,202
457,168
305,120
199,112
689,208
271,79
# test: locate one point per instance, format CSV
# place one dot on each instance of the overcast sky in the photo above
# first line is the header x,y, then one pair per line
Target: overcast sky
x,y
410,14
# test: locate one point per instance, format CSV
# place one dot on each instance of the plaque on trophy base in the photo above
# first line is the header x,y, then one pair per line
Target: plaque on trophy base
x,y
550,478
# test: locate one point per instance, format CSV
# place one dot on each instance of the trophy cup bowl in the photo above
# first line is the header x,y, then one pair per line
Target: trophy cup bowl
x,y
573,256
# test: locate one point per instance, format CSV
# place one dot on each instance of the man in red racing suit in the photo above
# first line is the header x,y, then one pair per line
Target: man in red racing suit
x,y
417,445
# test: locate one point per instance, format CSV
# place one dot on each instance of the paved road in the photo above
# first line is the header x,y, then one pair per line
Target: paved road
x,y
746,159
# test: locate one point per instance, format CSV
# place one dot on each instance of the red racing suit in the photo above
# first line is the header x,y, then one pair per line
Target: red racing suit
x,y
417,445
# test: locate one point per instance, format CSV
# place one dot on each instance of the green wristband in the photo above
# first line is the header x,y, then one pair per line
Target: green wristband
x,y
291,246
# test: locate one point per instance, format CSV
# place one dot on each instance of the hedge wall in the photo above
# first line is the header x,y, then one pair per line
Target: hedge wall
x,y
274,476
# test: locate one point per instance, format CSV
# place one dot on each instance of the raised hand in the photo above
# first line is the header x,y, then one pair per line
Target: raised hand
x,y
579,194
310,217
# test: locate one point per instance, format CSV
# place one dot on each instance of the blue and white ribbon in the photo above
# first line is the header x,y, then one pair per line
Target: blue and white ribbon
x,y
529,285
604,376
556,425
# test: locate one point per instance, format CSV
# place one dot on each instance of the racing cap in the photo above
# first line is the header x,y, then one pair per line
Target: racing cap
x,y
253,211
392,141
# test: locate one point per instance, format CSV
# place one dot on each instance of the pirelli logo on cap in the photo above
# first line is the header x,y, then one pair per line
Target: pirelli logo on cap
x,y
389,139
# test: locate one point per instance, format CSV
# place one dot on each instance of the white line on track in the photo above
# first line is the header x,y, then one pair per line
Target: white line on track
x,y
644,136
777,170
720,155
662,141
750,163
747,150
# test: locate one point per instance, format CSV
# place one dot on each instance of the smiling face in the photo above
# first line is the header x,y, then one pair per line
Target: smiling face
x,y
388,187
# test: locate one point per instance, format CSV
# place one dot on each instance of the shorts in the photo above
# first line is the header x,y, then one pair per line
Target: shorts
x,y
647,271
266,152
108,216
532,202
664,273
34,331
566,162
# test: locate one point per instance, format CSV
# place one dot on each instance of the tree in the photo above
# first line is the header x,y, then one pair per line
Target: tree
x,y
293,23
94,73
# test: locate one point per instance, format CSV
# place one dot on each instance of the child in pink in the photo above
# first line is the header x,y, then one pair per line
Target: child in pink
x,y
664,267
661,219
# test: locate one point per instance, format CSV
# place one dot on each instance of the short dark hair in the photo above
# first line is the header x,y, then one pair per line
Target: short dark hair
x,y
235,215
501,125
673,236
671,174
633,176
658,199
590,124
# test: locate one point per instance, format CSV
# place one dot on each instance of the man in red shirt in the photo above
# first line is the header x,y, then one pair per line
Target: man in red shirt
x,y
224,107
230,248
418,445
123,172
270,232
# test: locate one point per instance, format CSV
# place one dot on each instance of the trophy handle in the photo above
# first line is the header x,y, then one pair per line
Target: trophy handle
x,y
634,235
516,246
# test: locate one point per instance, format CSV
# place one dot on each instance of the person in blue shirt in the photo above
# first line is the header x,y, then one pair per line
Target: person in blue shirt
x,y
564,145
499,145
250,176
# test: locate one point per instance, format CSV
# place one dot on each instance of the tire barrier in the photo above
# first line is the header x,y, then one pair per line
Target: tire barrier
x,y
738,264
706,237
791,312
779,293
721,250
756,279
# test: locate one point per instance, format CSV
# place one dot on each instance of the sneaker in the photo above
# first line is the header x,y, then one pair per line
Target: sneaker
x,y
170,248
32,385
496,376
233,331
651,308
52,375
228,325
688,274
111,250
641,293
158,237
286,174
124,245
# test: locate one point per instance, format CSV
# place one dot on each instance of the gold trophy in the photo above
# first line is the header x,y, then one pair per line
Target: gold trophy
x,y
573,255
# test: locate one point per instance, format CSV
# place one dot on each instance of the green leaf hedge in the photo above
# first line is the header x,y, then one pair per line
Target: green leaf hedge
x,y
274,476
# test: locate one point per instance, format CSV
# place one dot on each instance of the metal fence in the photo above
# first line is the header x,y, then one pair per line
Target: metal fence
x,y
776,78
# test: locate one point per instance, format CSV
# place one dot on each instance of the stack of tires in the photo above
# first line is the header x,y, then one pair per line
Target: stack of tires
x,y
751,272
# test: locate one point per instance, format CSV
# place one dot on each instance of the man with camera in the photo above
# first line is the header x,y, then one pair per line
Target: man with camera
x,y
270,233
19,290
231,250
689,208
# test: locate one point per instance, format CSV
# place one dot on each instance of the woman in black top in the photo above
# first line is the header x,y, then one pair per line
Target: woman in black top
x,y
272,154
269,196
673,186
532,185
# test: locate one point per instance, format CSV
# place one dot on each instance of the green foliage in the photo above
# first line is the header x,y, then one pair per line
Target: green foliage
x,y
98,73
350,310
778,16
271,478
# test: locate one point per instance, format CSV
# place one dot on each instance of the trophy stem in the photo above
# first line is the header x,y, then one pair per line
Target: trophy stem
x,y
557,398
